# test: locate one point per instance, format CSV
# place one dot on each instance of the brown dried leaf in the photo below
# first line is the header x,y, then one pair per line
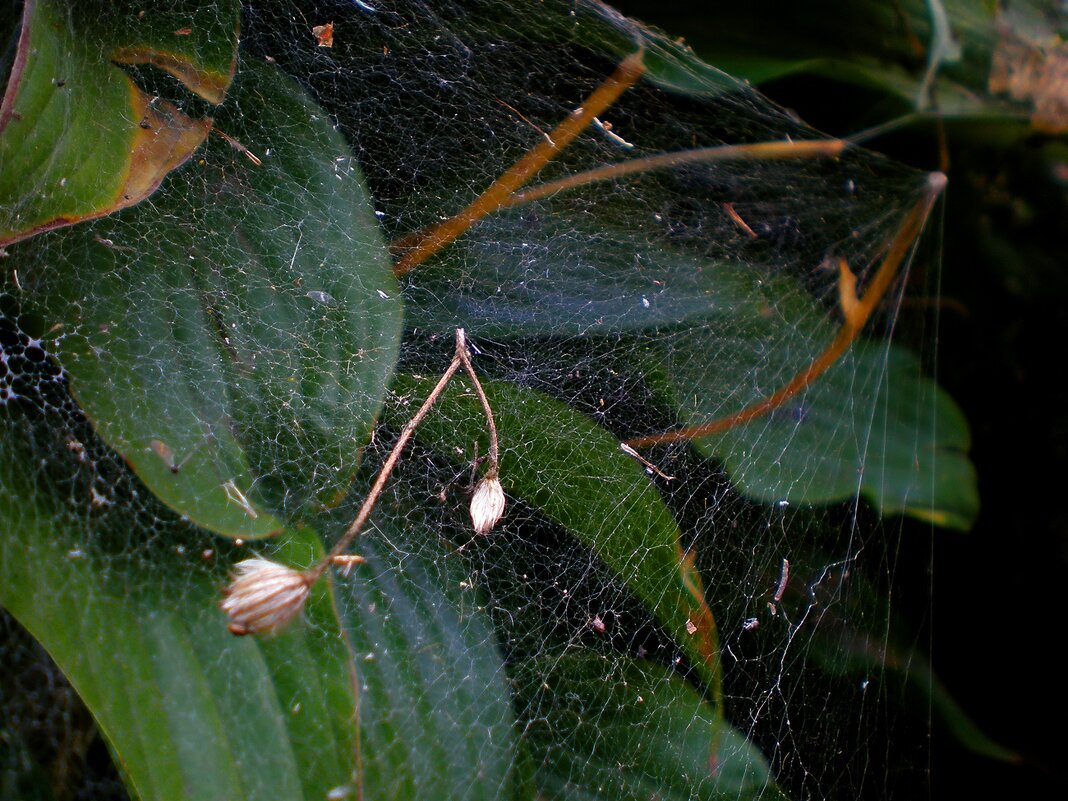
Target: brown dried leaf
x,y
1035,72
324,34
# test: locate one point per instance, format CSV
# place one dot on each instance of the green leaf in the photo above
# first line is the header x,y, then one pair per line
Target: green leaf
x,y
574,473
561,277
435,707
78,138
195,42
871,425
193,712
232,339
196,713
621,729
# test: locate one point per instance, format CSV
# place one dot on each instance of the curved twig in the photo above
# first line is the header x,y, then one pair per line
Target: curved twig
x,y
425,244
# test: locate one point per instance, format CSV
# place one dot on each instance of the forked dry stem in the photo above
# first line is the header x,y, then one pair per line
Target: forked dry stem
x,y
504,193
263,596
460,358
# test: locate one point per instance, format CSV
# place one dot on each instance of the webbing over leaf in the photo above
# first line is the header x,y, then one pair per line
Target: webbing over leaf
x,y
640,247
237,358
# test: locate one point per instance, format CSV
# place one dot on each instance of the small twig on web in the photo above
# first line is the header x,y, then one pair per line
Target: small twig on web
x,y
264,595
645,462
784,576
391,461
606,129
238,146
519,114
421,245
736,218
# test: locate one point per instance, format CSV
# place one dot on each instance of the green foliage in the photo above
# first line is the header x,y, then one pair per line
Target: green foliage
x,y
78,139
574,474
435,710
256,368
136,630
219,362
900,434
633,730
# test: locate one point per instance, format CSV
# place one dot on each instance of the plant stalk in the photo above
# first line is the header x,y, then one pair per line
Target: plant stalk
x,y
460,358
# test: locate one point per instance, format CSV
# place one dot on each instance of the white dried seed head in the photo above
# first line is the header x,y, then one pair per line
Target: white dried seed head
x,y
263,596
487,505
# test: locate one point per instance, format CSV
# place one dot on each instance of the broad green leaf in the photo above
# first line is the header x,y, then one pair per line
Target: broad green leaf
x,y
596,259
561,277
233,338
195,42
404,696
871,425
193,712
435,707
78,138
617,729
574,473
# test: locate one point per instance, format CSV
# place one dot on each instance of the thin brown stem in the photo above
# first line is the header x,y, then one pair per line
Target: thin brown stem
x,y
236,145
425,244
391,461
762,151
494,451
856,316
707,631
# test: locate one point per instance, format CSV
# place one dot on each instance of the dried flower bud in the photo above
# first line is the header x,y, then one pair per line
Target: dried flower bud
x,y
487,505
263,596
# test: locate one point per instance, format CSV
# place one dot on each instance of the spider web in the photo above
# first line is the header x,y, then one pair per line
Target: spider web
x,y
548,658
